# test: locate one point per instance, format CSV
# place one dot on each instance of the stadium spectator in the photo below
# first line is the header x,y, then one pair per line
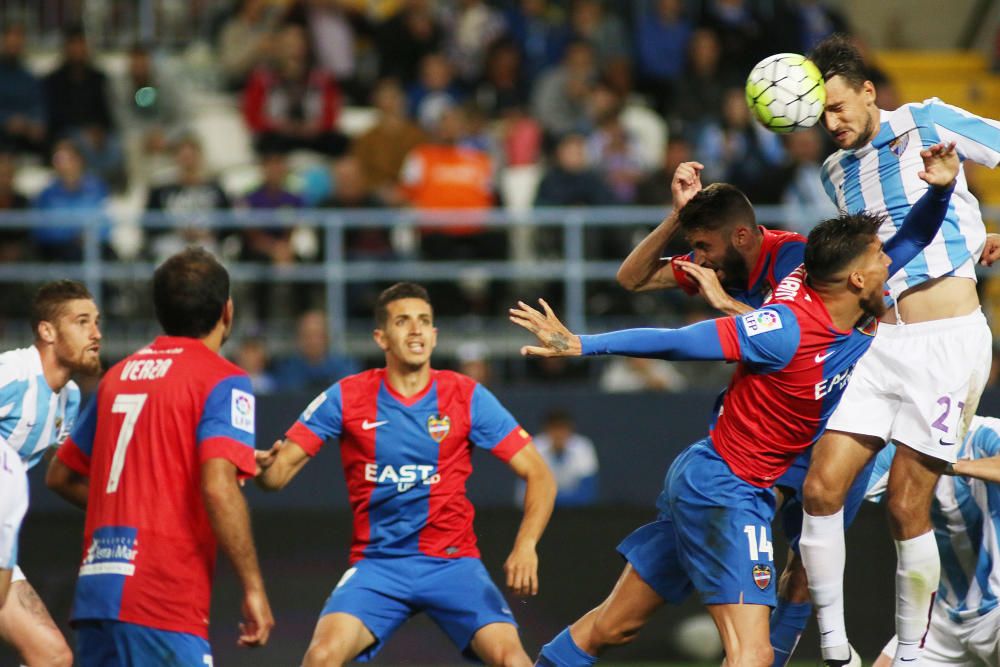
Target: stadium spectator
x,y
632,374
312,367
252,356
247,40
604,31
76,96
271,244
612,147
737,150
12,241
405,39
22,101
189,200
474,361
503,87
803,196
72,191
472,29
350,190
654,189
382,149
292,104
662,35
571,457
330,24
700,89
741,32
149,109
435,91
570,181
559,98
816,20
536,26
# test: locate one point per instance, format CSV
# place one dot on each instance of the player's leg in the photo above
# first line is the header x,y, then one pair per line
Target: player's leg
x,y
499,644
790,618
26,625
338,639
744,630
983,638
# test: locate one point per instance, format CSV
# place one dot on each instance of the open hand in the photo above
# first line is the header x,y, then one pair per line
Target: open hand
x,y
708,286
556,339
941,165
686,183
521,568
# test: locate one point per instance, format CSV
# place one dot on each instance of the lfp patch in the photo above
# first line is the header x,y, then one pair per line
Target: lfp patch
x,y
762,576
242,410
761,321
439,426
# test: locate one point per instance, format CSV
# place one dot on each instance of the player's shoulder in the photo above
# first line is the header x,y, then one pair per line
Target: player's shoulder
x,y
985,427
453,382
16,364
365,379
779,238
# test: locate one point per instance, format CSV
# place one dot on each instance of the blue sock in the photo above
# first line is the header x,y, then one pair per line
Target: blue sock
x,y
563,652
788,622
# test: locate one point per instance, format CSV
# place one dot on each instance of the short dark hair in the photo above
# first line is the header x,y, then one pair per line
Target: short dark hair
x,y
715,207
395,293
833,244
837,55
190,292
51,297
558,416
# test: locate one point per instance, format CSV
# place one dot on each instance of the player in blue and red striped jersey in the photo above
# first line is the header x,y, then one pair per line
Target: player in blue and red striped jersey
x,y
795,358
406,434
155,459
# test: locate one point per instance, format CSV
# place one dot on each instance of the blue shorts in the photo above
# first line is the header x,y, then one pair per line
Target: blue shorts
x,y
118,644
457,593
791,484
713,535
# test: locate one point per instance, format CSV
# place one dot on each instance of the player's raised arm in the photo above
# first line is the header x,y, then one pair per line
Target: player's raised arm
x,y
230,518
521,565
286,460
922,222
644,268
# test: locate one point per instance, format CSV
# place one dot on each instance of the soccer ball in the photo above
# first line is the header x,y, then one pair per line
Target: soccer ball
x,y
785,92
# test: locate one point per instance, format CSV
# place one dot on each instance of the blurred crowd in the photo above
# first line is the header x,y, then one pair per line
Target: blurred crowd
x,y
470,104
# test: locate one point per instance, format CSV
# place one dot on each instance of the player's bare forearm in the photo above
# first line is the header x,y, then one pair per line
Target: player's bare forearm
x,y
287,460
521,566
230,518
987,469
67,483
644,269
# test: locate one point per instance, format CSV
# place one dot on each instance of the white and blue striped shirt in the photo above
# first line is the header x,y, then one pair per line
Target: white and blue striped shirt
x,y
32,416
881,177
966,518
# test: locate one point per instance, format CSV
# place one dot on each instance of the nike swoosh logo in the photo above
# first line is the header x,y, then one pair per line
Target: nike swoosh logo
x,y
367,425
820,358
943,444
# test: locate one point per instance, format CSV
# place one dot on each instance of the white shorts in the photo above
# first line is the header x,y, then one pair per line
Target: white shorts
x,y
13,504
972,643
919,384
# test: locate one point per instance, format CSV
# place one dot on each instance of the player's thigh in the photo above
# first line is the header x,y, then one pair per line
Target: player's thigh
x,y
745,633
912,478
939,396
461,598
142,646
338,638
499,644
26,625
654,565
837,460
983,640
869,403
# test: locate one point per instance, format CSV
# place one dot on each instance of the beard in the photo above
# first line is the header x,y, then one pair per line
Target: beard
x,y
864,136
874,305
734,269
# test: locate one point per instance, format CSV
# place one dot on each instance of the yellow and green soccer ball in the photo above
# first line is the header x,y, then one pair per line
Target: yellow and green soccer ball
x,y
785,92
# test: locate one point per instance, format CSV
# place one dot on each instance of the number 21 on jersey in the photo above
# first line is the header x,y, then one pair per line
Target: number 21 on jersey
x,y
130,405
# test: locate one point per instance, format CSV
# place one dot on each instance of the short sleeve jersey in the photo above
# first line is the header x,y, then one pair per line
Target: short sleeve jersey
x,y
149,549
406,459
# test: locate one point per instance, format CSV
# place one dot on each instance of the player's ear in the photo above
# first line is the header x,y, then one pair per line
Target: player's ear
x,y
856,280
379,337
868,90
46,332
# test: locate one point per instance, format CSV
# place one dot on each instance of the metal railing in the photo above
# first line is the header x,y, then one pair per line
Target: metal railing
x,y
335,271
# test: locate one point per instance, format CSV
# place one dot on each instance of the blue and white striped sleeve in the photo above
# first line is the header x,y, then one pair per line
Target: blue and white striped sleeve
x,y
977,138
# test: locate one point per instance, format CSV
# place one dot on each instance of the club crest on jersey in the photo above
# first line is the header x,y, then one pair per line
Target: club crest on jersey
x,y
762,576
439,426
761,321
898,145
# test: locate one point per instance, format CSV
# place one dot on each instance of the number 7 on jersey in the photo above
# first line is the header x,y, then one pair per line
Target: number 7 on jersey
x,y
130,405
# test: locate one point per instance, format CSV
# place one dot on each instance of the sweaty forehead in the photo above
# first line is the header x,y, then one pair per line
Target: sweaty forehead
x,y
409,307
76,307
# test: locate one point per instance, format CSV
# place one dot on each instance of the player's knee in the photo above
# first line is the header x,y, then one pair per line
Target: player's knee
x,y
821,496
507,655
50,651
759,654
328,653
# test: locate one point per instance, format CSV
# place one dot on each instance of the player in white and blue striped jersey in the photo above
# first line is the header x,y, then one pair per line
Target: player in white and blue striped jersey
x,y
920,382
38,407
965,621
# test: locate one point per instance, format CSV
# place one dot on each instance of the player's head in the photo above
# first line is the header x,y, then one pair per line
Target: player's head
x,y
559,427
404,325
191,295
850,116
720,225
846,253
65,318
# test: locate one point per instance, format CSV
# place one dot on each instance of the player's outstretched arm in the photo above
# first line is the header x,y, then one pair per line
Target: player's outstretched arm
x,y
230,518
68,483
923,220
521,566
556,339
286,458
644,269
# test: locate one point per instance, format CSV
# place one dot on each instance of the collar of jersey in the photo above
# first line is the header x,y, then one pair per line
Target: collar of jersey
x,y
176,341
407,400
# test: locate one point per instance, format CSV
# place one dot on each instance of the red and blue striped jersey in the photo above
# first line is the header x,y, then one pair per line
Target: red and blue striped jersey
x,y
406,460
149,549
795,365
